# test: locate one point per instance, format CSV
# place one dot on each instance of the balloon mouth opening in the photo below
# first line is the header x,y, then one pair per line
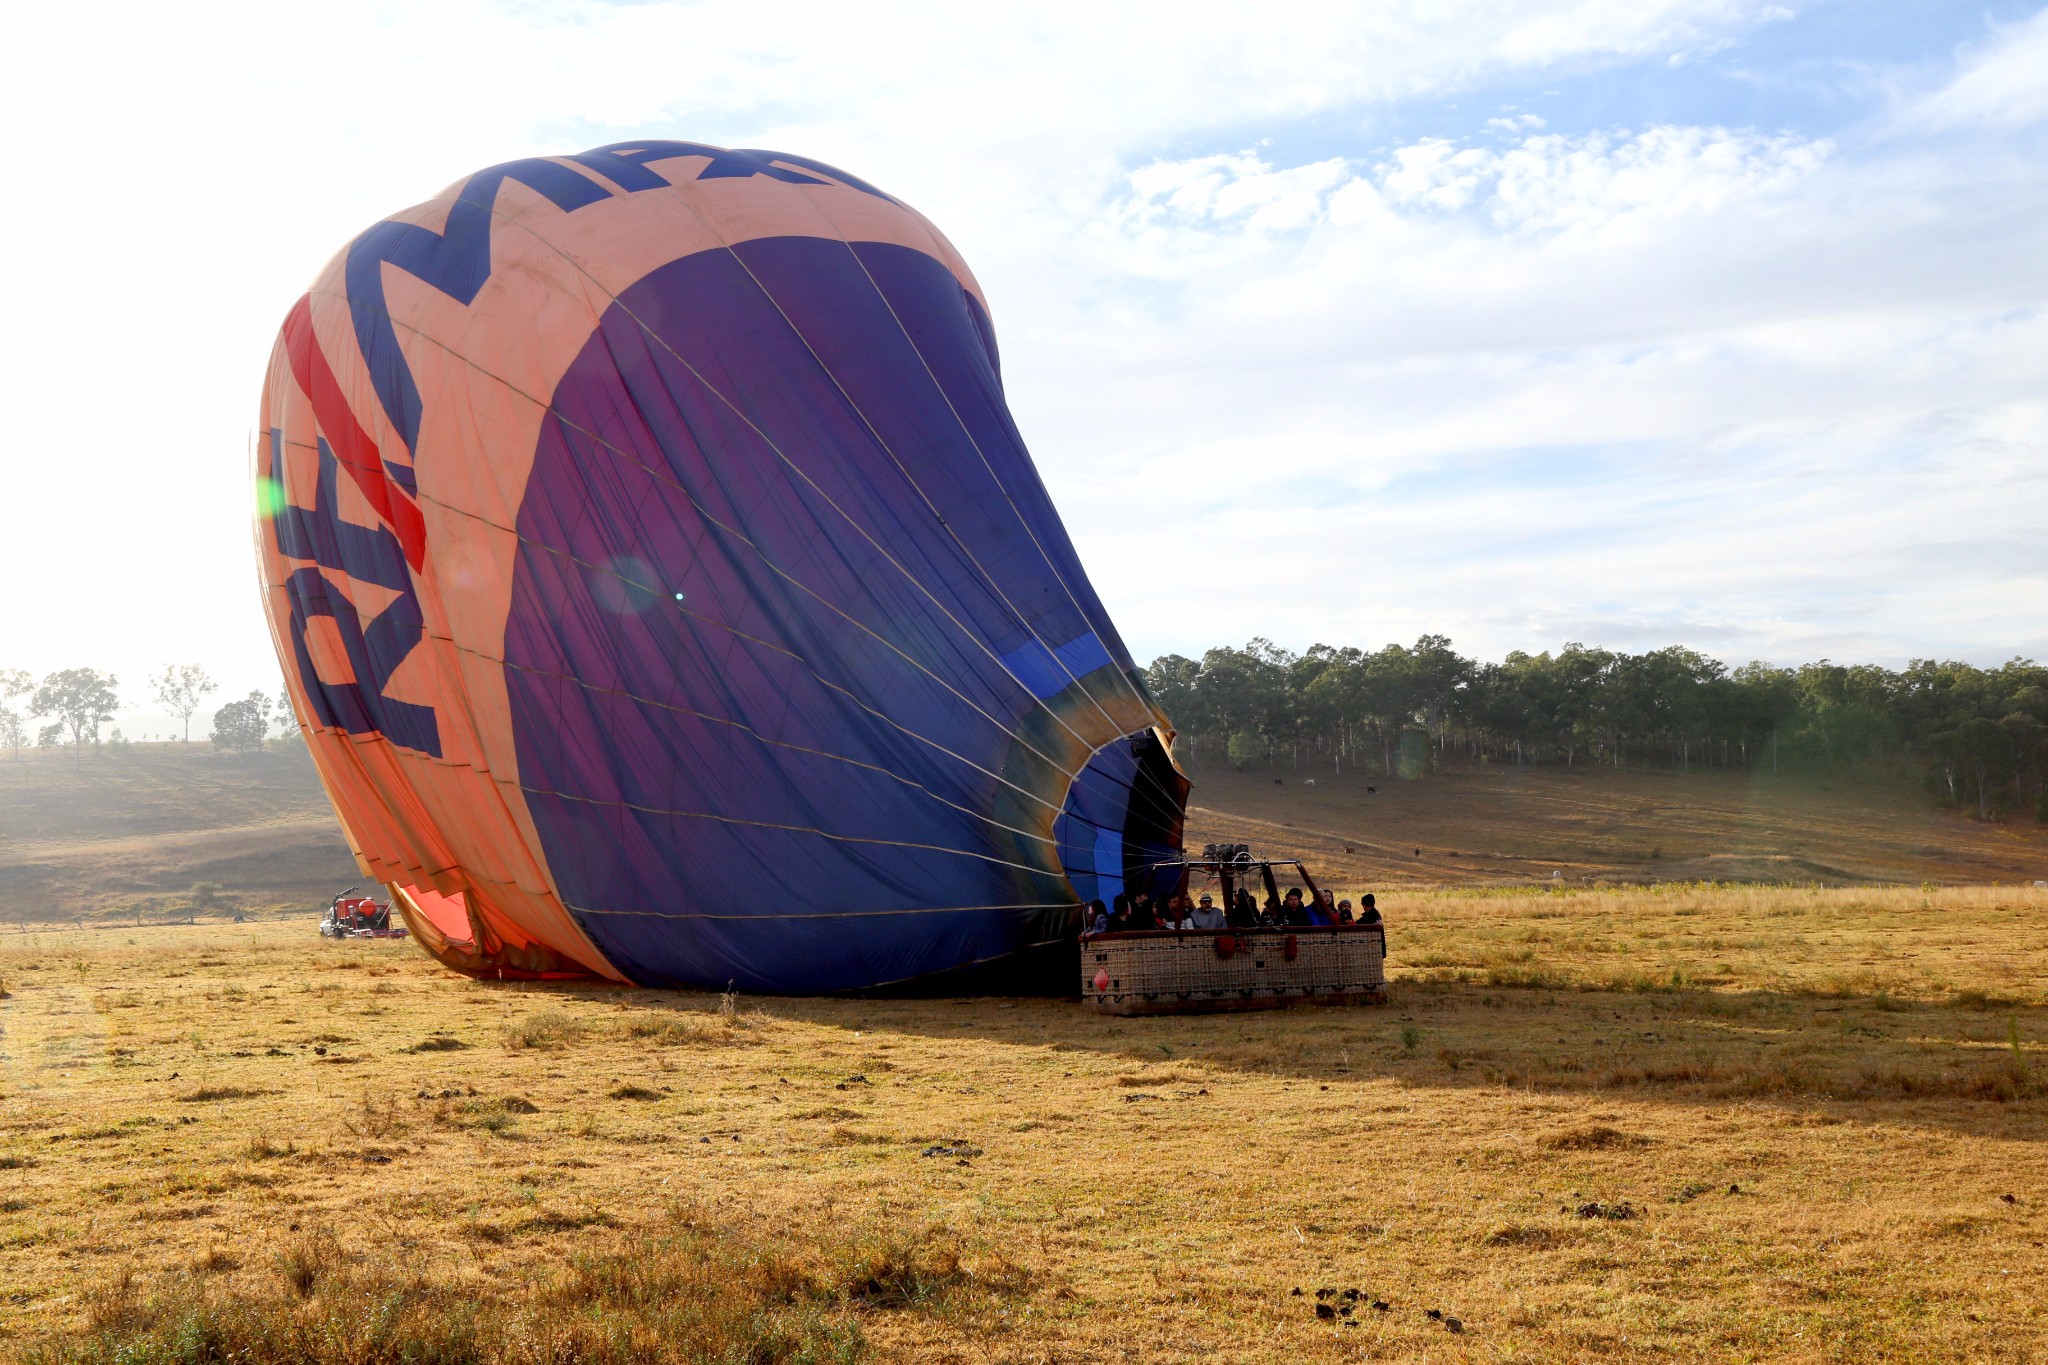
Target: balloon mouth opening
x,y
1120,828
447,926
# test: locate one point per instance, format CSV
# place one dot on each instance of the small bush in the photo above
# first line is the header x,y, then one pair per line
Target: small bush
x,y
215,1261
547,1029
1596,1137
306,1262
669,1032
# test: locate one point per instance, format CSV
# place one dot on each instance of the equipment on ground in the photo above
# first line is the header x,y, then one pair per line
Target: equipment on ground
x,y
352,916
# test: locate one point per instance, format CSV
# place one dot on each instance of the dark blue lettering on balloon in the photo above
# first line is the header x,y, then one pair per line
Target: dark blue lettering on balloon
x,y
366,554
457,260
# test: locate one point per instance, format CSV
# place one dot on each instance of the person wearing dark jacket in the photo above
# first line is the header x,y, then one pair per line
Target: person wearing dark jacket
x,y
1241,912
1095,915
1368,913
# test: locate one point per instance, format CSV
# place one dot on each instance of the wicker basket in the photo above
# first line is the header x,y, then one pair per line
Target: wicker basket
x,y
1195,971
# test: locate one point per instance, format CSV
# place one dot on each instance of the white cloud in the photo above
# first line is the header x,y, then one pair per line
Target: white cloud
x,y
1699,384
2003,86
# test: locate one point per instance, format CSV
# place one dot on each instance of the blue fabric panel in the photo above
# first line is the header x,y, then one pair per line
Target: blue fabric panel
x,y
1048,672
368,555
1084,654
1090,830
1109,863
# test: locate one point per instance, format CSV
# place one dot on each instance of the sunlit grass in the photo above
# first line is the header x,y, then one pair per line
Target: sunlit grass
x,y
1795,1116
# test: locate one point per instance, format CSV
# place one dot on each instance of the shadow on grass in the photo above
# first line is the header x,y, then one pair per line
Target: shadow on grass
x,y
1968,1065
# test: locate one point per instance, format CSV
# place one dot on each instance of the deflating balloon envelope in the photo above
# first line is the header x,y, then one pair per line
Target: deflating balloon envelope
x,y
667,595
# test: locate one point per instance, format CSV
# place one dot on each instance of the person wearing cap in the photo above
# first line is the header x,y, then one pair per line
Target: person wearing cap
x,y
1206,915
1368,913
1344,912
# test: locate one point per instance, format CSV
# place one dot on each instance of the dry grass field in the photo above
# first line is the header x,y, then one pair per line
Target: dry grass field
x,y
1626,1124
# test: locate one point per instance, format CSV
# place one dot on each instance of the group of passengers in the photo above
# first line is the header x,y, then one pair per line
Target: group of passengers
x,y
1138,911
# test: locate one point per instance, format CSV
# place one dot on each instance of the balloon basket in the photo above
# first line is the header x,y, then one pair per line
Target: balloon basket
x,y
1196,972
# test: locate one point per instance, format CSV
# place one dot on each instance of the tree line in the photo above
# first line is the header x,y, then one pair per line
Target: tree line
x,y
77,703
1979,734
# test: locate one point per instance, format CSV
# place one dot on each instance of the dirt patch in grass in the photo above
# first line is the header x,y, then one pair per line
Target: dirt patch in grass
x,y
438,1043
633,1092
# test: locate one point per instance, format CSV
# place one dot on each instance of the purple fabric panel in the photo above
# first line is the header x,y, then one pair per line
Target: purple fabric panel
x,y
785,778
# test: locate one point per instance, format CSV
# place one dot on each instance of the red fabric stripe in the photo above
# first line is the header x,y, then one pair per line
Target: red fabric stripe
x,y
352,445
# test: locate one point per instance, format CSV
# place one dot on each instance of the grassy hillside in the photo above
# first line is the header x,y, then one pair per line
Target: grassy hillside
x,y
128,832
1504,824
1623,1124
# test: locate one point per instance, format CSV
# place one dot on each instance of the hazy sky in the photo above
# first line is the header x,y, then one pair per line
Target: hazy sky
x,y
1634,322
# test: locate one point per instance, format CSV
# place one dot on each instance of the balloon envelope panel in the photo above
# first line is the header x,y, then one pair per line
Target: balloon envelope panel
x,y
668,595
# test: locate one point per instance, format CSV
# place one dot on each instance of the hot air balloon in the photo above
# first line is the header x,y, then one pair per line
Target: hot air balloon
x,y
666,594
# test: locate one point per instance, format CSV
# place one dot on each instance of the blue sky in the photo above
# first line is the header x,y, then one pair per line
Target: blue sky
x,y
1667,321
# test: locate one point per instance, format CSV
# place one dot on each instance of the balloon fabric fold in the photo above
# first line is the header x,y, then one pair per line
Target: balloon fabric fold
x,y
666,594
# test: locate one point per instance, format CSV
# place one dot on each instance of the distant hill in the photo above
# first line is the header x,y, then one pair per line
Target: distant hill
x,y
130,831
1497,823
